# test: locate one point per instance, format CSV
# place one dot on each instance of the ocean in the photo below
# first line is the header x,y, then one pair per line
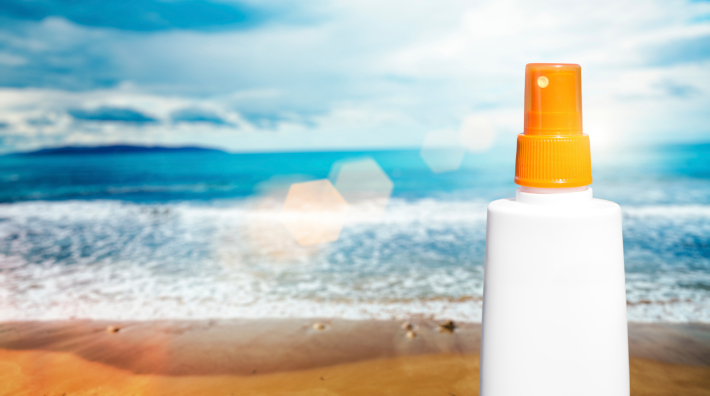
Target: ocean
x,y
196,234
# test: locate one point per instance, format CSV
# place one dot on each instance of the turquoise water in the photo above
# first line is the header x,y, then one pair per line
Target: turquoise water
x,y
205,176
196,234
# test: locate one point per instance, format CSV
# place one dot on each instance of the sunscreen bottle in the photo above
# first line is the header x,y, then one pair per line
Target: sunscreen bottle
x,y
554,299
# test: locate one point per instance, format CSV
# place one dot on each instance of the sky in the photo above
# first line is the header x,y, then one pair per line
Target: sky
x,y
250,76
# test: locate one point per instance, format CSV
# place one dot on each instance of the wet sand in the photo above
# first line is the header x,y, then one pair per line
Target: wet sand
x,y
299,357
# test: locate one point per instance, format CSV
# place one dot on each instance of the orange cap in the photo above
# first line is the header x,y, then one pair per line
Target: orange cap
x,y
553,151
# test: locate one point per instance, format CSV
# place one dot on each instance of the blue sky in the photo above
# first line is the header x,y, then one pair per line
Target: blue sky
x,y
258,76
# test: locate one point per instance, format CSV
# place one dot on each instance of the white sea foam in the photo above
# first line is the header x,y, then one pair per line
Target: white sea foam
x,y
117,260
667,211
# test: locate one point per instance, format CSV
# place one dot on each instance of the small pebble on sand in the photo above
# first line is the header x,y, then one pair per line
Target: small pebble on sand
x,y
411,334
447,327
319,326
113,329
407,326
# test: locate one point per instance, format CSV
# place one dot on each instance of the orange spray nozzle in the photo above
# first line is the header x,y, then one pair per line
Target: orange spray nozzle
x,y
553,152
553,99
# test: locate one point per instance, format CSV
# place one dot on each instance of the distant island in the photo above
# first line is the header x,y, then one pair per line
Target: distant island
x,y
115,149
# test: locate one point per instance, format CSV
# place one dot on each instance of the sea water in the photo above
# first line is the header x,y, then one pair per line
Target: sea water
x,y
197,235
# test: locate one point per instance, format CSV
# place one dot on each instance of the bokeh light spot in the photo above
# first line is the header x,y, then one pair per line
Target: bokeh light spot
x,y
542,81
364,185
442,151
477,133
256,236
314,212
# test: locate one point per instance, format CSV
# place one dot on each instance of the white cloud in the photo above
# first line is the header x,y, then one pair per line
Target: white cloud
x,y
366,74
11,60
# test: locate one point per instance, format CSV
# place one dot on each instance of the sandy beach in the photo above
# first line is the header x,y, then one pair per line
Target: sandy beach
x,y
299,357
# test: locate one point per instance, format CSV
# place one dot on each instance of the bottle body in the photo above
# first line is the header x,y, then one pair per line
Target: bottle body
x,y
554,305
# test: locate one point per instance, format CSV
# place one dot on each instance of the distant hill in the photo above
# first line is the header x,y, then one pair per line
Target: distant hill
x,y
117,149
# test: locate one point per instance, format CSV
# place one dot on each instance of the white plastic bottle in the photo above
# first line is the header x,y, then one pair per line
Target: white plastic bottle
x,y
554,305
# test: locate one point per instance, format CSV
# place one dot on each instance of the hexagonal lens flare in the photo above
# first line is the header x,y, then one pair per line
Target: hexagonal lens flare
x,y
256,236
364,185
314,212
442,151
477,133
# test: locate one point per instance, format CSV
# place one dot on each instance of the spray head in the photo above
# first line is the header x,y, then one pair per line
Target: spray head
x,y
553,152
553,99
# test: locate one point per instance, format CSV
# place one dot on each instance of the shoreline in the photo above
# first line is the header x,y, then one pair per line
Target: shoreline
x,y
312,356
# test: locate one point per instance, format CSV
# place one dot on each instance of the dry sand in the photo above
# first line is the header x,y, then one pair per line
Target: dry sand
x,y
298,357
